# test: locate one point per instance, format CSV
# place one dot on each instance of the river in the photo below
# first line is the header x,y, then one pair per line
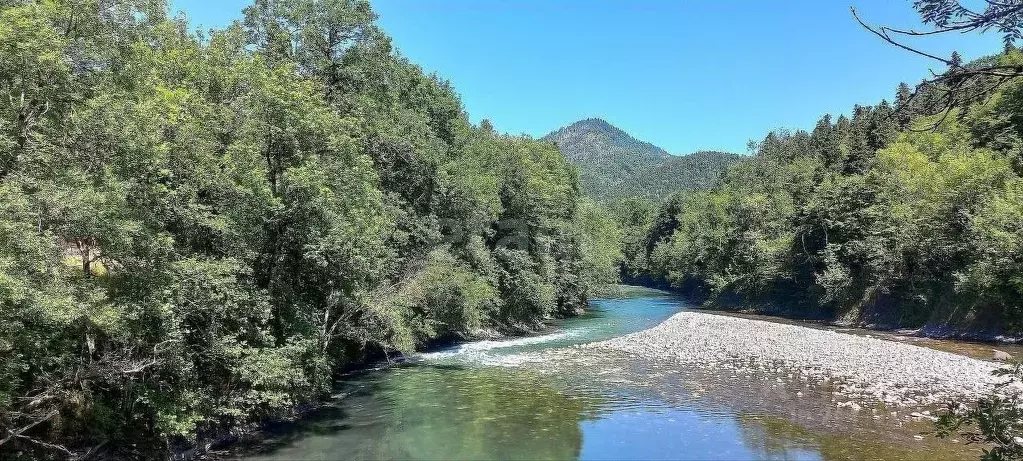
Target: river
x,y
481,401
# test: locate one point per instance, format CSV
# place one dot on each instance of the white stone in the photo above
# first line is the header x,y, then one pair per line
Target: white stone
x,y
899,374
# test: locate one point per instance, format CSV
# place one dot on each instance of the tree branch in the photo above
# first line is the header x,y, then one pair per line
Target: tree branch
x,y
17,433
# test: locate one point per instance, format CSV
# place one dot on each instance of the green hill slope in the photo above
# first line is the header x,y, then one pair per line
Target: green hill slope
x,y
613,165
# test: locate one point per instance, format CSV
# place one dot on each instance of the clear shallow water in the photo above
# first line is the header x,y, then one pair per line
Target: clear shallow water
x,y
482,401
607,318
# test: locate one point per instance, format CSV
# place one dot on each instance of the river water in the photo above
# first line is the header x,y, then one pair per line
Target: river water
x,y
483,400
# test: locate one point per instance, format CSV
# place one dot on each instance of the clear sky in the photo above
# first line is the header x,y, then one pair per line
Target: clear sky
x,y
684,75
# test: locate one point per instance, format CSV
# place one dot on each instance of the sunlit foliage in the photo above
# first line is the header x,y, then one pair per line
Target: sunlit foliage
x,y
198,232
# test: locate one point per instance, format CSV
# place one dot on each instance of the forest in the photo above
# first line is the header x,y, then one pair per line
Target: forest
x,y
903,215
200,231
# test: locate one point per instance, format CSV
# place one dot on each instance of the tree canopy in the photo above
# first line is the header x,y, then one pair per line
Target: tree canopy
x,y
864,219
199,232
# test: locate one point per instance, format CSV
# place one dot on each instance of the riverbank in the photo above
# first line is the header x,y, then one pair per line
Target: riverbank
x,y
939,328
240,439
554,396
860,369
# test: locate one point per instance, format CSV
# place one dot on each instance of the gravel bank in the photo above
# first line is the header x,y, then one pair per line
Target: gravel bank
x,y
857,367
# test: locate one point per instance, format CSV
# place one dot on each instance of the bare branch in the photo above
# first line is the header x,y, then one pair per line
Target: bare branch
x,y
17,433
880,32
50,446
961,83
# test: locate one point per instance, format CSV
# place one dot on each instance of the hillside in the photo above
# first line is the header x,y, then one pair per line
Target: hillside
x,y
612,164
904,216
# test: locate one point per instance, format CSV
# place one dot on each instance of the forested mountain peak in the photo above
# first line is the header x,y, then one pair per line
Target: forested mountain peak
x,y
595,138
613,164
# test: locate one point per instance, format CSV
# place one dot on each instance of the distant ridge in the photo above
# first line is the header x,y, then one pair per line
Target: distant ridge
x,y
613,165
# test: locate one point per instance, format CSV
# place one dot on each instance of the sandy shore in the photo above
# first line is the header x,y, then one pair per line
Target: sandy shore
x,y
860,368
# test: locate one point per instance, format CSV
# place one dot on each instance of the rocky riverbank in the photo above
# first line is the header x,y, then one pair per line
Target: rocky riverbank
x,y
860,369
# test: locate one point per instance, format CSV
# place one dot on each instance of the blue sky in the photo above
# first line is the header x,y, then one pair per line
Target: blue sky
x,y
684,75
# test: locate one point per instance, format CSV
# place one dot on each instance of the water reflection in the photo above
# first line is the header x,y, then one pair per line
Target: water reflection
x,y
449,412
457,404
432,412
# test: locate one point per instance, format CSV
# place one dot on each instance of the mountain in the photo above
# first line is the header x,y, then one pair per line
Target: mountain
x,y
612,164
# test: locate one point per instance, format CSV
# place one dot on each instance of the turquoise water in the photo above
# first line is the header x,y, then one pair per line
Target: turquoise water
x,y
484,401
606,318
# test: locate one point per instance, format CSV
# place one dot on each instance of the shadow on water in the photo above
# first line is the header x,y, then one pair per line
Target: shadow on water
x,y
327,420
438,412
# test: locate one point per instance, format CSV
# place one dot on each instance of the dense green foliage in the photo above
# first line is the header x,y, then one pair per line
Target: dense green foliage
x,y
198,232
862,219
613,165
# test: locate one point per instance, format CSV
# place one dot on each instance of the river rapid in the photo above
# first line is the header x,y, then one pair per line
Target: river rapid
x,y
548,397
